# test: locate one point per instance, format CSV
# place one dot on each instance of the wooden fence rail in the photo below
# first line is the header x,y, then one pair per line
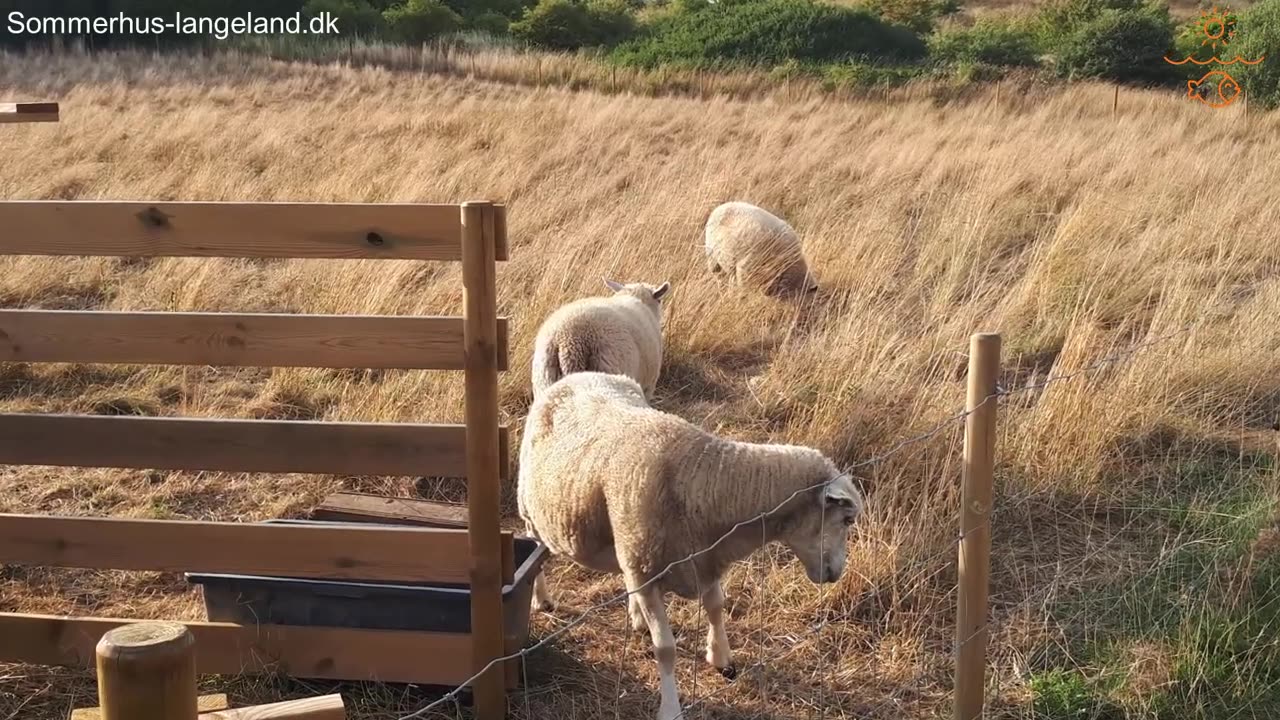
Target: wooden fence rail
x,y
476,343
28,112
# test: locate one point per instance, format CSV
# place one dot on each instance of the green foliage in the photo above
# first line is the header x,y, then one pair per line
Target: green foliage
x,y
571,24
493,23
919,15
989,42
355,17
417,21
769,32
1068,695
1258,34
864,75
1124,40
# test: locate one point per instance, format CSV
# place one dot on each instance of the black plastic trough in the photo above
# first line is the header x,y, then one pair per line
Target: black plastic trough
x,y
437,607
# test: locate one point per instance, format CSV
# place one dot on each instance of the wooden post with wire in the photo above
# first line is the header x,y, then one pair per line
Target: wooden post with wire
x,y
147,671
975,527
480,221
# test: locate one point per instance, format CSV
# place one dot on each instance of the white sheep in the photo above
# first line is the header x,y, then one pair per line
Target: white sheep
x,y
621,487
756,248
619,334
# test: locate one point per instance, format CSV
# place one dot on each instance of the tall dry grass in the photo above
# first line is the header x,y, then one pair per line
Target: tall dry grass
x,y
1074,233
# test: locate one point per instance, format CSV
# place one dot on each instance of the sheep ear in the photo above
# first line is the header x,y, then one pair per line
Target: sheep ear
x,y
614,286
662,291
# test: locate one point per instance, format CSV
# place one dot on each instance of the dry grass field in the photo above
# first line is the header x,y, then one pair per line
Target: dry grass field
x,y
1135,567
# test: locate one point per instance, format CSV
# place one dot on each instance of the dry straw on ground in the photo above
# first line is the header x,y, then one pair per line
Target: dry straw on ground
x,y
1074,233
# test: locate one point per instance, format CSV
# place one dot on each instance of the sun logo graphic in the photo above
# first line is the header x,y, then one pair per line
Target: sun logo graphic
x,y
1215,88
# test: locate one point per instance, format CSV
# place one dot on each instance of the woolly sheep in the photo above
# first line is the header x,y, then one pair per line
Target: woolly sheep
x,y
756,248
619,334
621,487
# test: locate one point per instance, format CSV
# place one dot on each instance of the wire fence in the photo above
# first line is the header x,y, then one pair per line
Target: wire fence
x,y
451,699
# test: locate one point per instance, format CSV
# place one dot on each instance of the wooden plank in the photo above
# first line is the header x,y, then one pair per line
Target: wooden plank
x,y
283,446
228,339
337,551
325,707
483,488
408,231
28,112
204,703
363,507
325,653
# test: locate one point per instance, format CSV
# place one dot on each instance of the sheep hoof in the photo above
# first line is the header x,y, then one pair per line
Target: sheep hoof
x,y
730,672
544,605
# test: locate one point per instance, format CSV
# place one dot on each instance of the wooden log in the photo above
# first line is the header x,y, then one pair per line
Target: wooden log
x,y
273,446
480,308
325,707
406,231
204,704
147,671
236,340
333,551
324,653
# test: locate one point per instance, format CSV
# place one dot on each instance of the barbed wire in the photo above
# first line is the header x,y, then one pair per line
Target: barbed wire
x,y
948,422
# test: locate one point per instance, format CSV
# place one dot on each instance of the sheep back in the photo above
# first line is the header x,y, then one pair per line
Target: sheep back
x,y
756,248
616,334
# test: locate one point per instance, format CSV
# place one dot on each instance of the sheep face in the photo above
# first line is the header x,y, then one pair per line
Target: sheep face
x,y
820,536
652,296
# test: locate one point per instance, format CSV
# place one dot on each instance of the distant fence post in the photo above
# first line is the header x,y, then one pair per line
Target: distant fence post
x,y
975,527
147,671
1115,102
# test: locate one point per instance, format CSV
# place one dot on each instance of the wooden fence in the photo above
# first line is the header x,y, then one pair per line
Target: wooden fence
x,y
473,233
28,112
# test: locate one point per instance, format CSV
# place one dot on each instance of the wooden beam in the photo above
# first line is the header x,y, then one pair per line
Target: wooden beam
x,y
283,446
363,507
227,339
335,551
407,231
479,228
204,703
325,707
28,112
325,653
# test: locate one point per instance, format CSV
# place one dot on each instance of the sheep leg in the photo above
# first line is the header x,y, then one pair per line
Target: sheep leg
x,y
718,653
664,646
541,596
638,623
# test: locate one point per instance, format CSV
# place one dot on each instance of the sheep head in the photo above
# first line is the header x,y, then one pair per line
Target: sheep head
x,y
651,295
820,535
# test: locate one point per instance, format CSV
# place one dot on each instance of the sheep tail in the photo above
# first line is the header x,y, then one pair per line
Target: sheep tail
x,y
549,370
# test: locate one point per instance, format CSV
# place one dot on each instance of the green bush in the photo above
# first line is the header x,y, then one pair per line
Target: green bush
x,y
569,24
355,17
1123,45
493,23
988,42
918,15
417,21
1258,34
769,32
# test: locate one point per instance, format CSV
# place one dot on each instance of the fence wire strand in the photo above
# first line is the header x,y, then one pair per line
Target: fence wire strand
x,y
947,423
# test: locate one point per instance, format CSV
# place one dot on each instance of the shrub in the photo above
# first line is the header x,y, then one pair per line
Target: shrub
x,y
1258,34
988,42
354,17
493,23
569,25
769,32
418,21
1119,45
918,15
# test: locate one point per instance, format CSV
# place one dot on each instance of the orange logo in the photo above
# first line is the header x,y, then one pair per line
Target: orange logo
x,y
1217,88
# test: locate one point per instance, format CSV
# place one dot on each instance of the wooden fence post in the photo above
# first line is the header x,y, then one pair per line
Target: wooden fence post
x,y
147,671
1115,102
975,528
480,336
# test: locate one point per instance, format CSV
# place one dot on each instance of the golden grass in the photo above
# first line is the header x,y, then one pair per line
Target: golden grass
x,y
1073,233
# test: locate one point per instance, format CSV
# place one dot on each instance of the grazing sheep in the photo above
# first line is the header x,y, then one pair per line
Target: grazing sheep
x,y
618,334
756,248
621,487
